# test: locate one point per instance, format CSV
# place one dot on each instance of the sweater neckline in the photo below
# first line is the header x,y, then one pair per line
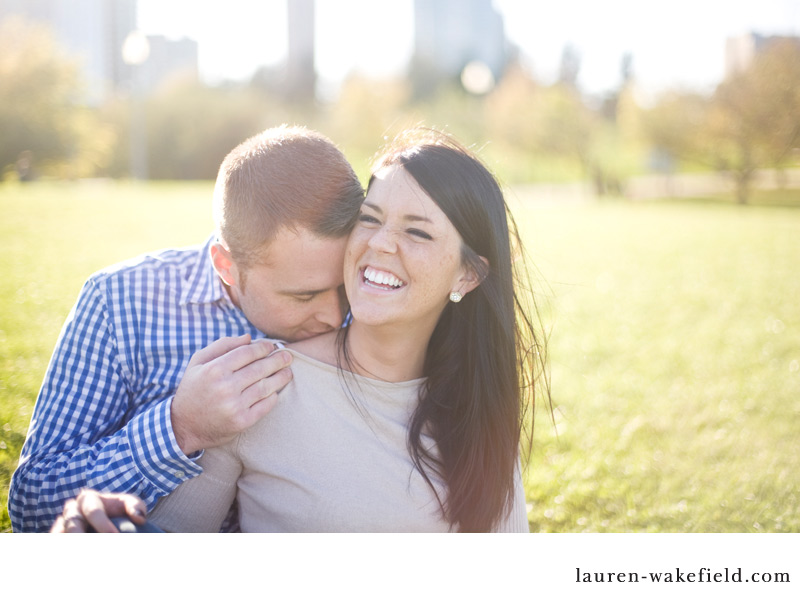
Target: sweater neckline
x,y
378,383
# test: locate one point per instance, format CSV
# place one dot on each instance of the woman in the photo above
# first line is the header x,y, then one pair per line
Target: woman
x,y
409,418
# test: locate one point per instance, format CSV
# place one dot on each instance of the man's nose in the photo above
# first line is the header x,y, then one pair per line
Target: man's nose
x,y
332,309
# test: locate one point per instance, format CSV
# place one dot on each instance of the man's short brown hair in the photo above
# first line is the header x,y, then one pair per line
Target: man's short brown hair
x,y
283,177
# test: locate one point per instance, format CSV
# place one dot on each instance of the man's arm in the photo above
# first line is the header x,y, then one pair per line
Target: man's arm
x,y
77,437
198,505
89,429
201,505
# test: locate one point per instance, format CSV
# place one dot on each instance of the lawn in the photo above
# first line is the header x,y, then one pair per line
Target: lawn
x,y
675,357
674,349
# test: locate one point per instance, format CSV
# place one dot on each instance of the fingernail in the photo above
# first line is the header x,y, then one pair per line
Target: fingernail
x,y
287,358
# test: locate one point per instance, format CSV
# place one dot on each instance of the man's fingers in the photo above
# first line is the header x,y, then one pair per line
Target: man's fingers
x,y
98,507
243,356
97,514
209,408
260,369
135,509
261,408
58,525
73,520
267,387
218,348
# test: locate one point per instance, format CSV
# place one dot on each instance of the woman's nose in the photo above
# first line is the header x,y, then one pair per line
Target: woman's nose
x,y
383,239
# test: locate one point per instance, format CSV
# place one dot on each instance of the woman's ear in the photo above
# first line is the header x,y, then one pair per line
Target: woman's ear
x,y
223,264
472,277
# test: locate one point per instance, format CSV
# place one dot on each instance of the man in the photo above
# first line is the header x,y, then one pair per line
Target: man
x,y
161,356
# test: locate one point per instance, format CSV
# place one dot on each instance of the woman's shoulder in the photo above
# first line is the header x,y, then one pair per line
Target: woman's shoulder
x,y
314,358
321,348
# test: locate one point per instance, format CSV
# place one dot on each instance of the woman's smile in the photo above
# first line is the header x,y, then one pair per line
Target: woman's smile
x,y
403,257
381,279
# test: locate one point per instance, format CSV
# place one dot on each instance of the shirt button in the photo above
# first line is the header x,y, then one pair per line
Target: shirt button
x,y
180,475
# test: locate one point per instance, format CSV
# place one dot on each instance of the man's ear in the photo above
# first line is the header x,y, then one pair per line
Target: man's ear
x,y
471,278
223,264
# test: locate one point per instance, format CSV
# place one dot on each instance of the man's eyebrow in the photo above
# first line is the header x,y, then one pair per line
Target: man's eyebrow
x,y
409,217
290,292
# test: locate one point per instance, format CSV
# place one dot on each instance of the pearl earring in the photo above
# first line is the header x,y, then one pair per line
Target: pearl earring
x,y
456,296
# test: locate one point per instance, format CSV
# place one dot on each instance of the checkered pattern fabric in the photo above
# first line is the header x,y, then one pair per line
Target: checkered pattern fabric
x,y
102,418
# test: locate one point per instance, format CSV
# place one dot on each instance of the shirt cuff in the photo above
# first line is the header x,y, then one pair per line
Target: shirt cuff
x,y
155,449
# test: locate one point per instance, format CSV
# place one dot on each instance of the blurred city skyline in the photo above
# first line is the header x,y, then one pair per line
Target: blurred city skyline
x,y
680,44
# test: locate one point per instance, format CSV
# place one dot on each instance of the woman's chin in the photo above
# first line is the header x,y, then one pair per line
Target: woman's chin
x,y
372,315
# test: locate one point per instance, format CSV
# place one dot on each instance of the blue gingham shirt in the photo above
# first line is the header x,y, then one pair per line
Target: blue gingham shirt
x,y
102,418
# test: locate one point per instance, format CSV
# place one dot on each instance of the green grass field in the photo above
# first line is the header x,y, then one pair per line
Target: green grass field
x,y
674,349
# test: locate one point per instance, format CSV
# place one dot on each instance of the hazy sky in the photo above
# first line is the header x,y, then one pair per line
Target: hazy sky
x,y
674,43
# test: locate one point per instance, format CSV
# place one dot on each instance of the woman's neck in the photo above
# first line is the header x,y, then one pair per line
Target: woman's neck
x,y
389,354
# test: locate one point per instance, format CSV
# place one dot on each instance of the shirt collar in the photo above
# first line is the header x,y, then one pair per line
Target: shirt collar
x,y
203,285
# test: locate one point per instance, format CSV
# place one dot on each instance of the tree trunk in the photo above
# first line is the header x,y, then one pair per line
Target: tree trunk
x,y
743,186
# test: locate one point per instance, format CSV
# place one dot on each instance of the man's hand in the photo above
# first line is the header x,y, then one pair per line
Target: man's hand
x,y
93,509
228,386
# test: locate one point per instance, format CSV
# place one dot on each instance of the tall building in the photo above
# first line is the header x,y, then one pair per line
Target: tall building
x,y
300,71
91,30
169,59
450,34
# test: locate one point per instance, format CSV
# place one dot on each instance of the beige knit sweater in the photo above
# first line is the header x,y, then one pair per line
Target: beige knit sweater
x,y
330,457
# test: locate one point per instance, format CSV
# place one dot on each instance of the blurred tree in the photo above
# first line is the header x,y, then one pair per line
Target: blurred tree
x,y
530,128
454,110
617,144
675,125
752,120
510,125
756,114
567,127
41,116
365,114
555,128
191,127
511,111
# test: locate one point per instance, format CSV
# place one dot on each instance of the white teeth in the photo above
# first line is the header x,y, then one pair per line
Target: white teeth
x,y
384,278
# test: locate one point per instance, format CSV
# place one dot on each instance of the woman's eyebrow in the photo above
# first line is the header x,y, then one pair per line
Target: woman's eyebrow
x,y
409,217
373,206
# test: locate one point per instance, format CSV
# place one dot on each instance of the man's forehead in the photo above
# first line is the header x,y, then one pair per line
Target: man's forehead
x,y
291,243
300,262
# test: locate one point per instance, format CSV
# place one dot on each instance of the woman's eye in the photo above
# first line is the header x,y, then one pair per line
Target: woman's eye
x,y
420,234
368,219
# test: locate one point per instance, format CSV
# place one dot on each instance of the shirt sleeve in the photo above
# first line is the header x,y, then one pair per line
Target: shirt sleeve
x,y
201,505
86,431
